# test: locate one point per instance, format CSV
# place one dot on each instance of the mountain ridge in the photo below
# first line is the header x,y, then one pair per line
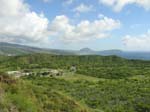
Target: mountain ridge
x,y
10,49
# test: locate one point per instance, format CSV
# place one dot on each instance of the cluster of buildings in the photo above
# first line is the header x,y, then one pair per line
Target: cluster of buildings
x,y
41,73
44,73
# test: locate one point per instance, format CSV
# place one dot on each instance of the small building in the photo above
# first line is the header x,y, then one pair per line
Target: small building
x,y
13,72
18,74
50,73
73,68
54,72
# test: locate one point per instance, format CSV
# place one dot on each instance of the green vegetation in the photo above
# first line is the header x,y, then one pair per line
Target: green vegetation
x,y
24,96
110,67
101,84
125,95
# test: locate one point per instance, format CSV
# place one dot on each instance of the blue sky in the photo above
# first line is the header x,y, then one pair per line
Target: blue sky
x,y
75,24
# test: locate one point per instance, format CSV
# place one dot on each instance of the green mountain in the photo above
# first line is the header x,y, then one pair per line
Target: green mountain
x,y
9,49
15,49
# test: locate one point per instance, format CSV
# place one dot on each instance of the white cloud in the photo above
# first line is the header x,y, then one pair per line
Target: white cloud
x,y
19,24
117,5
83,8
140,42
101,16
85,30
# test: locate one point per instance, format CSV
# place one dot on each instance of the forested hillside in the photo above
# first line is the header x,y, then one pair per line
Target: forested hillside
x,y
100,84
96,66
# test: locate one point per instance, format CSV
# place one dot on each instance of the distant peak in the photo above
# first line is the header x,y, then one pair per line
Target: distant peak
x,y
86,49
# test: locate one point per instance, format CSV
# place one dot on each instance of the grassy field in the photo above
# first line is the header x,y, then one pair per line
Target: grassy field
x,y
68,76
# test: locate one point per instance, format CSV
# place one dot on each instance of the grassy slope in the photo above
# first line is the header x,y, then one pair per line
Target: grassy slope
x,y
121,95
68,76
25,96
75,92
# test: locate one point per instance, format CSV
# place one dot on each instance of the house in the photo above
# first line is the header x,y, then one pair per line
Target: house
x,y
50,73
54,72
16,74
73,68
13,72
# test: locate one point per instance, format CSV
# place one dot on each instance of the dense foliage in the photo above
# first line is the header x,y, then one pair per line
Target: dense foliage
x,y
125,95
107,84
24,96
98,66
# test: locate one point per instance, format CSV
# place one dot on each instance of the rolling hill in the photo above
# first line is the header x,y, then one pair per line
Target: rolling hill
x,y
15,49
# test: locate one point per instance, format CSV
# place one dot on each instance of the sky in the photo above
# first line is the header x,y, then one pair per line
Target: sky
x,y
76,24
